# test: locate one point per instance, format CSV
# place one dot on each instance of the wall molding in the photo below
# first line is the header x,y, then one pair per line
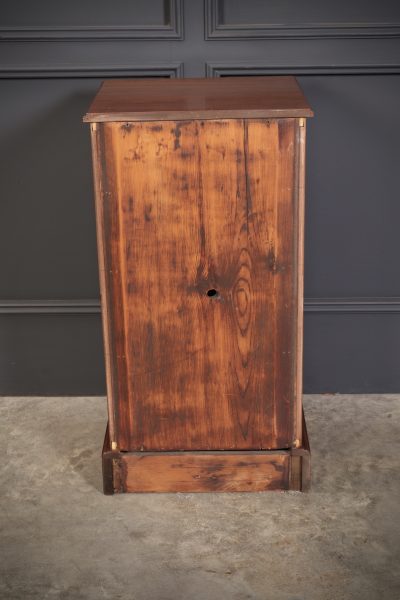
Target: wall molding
x,y
173,70
46,306
217,69
387,305
216,29
171,29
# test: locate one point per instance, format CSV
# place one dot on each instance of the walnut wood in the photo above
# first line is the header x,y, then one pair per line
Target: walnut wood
x,y
187,208
237,471
222,97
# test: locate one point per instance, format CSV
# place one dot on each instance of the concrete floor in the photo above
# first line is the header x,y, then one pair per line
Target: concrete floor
x,y
61,538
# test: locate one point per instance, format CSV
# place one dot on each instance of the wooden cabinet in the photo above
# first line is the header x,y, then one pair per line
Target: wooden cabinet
x,y
199,201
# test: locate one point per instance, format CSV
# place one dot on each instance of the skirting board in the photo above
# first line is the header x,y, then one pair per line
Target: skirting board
x,y
212,471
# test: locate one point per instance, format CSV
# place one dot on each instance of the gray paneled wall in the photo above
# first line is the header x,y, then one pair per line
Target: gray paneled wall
x,y
347,58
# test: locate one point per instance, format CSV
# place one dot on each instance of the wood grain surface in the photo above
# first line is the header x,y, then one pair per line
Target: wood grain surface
x,y
189,208
226,471
188,472
198,98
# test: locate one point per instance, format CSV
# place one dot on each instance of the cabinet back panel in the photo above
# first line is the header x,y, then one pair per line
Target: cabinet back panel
x,y
201,216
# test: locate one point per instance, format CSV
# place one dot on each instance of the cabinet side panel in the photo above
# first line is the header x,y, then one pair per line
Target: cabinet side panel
x,y
206,255
107,224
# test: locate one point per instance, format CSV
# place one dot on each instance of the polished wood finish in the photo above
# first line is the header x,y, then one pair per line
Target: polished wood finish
x,y
214,98
227,471
200,239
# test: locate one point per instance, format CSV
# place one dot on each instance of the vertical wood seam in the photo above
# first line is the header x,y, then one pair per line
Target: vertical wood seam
x,y
300,281
296,295
276,249
294,291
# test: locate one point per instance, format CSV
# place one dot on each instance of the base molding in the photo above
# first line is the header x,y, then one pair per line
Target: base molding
x,y
212,471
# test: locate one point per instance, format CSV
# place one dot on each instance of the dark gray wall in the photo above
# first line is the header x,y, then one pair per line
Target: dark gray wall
x,y
53,57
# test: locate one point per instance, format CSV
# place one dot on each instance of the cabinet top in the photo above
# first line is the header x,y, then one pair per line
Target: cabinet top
x,y
220,97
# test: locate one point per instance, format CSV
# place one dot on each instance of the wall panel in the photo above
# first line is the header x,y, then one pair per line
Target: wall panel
x,y
347,58
311,19
91,19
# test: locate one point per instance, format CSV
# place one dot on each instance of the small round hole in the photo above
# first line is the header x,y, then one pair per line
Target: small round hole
x,y
212,293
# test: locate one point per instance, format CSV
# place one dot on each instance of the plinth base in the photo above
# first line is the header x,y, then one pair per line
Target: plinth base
x,y
213,471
